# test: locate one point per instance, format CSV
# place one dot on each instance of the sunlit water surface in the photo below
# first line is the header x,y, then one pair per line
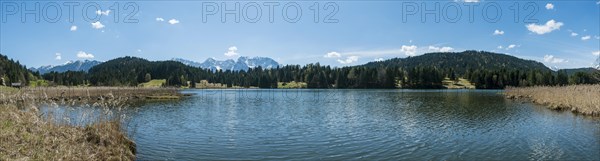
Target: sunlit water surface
x,y
357,125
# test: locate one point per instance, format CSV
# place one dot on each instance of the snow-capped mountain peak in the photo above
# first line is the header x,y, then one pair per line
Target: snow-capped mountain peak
x,y
242,63
68,66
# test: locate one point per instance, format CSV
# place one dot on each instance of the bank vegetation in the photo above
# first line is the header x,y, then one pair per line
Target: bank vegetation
x,y
584,99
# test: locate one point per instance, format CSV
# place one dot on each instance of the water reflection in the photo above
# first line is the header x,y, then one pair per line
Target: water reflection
x,y
358,125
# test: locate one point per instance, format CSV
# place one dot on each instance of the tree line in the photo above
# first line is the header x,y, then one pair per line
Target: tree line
x,y
130,71
13,72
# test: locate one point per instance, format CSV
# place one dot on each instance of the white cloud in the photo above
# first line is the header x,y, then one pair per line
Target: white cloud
x,y
160,19
232,52
409,50
586,37
552,59
498,32
500,47
100,12
597,37
350,59
511,46
598,2
574,34
546,28
84,55
58,56
442,49
375,53
73,28
173,21
332,55
549,6
379,59
97,25
596,53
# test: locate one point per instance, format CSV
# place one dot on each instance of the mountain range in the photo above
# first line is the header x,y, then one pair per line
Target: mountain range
x,y
460,62
242,63
68,66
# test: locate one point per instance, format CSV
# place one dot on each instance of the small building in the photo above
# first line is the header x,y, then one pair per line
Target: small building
x,y
16,85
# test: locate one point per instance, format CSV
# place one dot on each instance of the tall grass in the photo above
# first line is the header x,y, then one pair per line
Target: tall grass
x,y
583,99
28,132
36,94
25,134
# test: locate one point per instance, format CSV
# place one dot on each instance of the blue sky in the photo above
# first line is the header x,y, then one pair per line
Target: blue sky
x,y
565,34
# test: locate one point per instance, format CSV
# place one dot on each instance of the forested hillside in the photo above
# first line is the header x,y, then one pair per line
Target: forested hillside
x,y
461,62
14,72
576,70
130,71
413,72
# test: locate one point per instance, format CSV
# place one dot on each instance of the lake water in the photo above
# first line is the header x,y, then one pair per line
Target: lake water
x,y
358,125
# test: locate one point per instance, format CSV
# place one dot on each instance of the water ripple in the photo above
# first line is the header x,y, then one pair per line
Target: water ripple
x,y
360,125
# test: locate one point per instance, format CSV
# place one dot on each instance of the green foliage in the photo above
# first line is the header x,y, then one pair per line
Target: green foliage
x,y
154,83
148,77
131,71
583,78
422,77
413,72
14,72
69,78
571,72
38,83
461,62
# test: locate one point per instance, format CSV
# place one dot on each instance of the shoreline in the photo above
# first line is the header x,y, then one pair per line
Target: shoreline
x,y
580,99
28,134
88,94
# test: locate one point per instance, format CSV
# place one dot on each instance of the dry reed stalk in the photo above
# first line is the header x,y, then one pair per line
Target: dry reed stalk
x,y
28,134
37,94
584,99
25,135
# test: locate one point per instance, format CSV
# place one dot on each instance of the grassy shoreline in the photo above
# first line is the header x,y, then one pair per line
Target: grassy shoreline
x,y
85,94
583,99
26,134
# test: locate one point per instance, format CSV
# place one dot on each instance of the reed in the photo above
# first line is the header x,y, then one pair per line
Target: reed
x,y
37,94
96,133
25,134
584,99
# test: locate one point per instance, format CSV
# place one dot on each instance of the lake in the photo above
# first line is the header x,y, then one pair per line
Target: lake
x,y
358,125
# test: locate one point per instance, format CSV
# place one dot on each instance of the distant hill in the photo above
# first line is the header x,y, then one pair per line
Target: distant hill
x,y
14,72
131,71
242,63
460,62
573,71
69,66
